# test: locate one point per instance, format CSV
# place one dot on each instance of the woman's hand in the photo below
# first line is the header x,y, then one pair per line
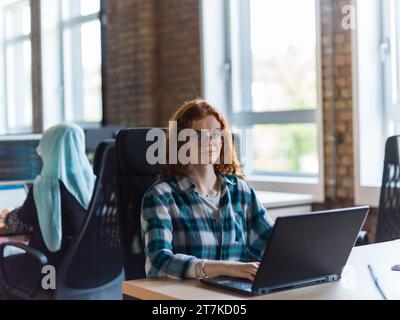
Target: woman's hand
x,y
243,270
4,213
231,269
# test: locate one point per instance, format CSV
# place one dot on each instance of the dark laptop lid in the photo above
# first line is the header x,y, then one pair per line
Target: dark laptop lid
x,y
309,246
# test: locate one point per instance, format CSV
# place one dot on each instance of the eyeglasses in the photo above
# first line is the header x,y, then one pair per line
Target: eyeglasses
x,y
215,135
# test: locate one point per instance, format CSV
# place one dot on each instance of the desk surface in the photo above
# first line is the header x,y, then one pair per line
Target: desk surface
x,y
356,282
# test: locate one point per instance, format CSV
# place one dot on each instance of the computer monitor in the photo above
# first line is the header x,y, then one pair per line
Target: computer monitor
x,y
19,161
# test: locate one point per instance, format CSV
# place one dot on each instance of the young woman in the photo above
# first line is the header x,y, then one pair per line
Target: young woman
x,y
56,205
202,219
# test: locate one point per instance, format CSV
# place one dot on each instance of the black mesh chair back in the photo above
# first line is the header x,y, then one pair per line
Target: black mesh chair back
x,y
135,176
388,225
94,136
95,258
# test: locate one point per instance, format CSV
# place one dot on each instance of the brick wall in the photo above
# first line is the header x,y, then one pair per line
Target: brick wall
x,y
130,62
338,126
178,25
152,59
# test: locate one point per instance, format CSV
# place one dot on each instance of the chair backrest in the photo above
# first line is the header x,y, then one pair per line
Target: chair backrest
x,y
95,257
135,176
388,225
94,136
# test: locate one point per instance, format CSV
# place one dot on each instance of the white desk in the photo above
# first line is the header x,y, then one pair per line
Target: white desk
x,y
284,204
356,282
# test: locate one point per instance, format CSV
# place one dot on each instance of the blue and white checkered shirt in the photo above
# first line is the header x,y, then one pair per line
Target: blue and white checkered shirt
x,y
178,229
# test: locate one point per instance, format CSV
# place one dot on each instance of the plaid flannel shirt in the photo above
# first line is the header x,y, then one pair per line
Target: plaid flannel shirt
x,y
177,229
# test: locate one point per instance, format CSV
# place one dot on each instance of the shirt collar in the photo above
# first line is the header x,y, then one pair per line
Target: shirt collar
x,y
186,183
227,180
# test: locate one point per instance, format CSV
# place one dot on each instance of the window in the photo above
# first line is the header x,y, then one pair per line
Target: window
x,y
71,44
290,148
269,65
376,91
16,75
274,83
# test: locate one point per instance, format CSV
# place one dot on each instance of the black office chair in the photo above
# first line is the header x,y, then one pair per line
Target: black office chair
x,y
135,176
94,136
388,224
92,267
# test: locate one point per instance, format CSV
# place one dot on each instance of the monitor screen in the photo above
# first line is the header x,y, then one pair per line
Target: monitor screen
x,y
19,161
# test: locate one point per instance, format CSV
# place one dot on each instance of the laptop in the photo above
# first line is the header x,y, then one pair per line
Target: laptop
x,y
303,250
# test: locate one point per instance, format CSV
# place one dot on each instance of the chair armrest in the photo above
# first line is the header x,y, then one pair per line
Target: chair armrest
x,y
362,239
36,255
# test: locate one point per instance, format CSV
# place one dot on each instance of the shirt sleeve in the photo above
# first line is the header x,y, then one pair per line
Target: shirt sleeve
x,y
259,226
157,231
22,220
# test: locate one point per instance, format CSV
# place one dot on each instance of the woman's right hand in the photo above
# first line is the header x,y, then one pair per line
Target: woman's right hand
x,y
243,270
231,269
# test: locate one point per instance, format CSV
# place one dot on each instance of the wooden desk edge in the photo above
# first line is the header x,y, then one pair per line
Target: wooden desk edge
x,y
142,293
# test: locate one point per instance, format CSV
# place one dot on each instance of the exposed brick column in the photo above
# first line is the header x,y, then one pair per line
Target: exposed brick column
x,y
339,168
179,55
130,59
339,163
152,58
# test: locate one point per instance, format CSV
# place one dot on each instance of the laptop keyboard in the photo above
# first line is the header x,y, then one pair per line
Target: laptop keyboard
x,y
238,284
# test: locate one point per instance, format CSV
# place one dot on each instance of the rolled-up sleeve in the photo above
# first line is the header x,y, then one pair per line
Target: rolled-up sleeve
x,y
157,233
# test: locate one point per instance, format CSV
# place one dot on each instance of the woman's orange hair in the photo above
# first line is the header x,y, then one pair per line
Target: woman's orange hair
x,y
195,110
